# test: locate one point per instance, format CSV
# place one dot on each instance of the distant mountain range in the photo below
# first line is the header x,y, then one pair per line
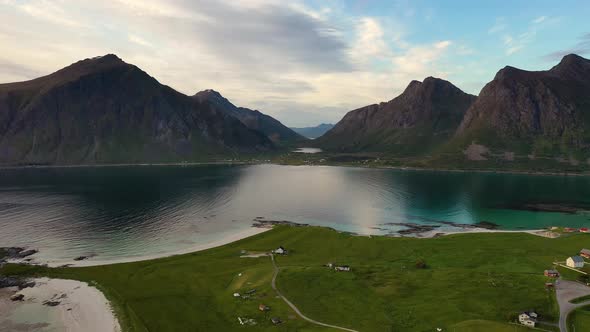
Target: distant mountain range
x,y
313,132
520,115
103,110
255,120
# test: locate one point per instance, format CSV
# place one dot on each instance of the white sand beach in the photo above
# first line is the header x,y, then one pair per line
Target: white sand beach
x,y
78,307
95,261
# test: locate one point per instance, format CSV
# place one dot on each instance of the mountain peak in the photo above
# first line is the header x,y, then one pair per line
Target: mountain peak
x,y
572,66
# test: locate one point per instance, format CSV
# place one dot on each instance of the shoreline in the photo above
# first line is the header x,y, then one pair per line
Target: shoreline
x,y
261,228
243,163
252,231
60,304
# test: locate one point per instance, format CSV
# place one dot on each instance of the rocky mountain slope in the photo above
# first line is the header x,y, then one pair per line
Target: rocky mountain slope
x,y
423,117
531,113
313,132
256,120
103,110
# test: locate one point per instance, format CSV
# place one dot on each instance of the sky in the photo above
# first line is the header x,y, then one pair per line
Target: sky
x,y
303,62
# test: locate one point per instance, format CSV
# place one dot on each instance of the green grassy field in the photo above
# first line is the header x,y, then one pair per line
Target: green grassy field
x,y
579,320
470,282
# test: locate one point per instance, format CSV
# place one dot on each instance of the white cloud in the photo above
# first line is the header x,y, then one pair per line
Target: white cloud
x,y
292,61
139,41
539,19
499,26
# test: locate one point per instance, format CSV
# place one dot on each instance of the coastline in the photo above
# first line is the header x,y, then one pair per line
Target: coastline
x,y
244,163
75,306
91,262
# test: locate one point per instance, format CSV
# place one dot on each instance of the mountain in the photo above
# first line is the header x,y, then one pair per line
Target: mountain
x,y
103,110
313,132
423,117
256,120
531,114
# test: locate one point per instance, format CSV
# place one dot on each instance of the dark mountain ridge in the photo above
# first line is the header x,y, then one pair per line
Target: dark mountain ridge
x,y
534,113
425,115
103,110
253,119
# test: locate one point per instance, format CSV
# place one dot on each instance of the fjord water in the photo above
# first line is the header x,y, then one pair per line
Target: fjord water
x,y
122,212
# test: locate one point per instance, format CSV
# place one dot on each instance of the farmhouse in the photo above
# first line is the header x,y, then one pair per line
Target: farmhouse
x,y
342,268
585,253
528,318
575,261
551,273
584,230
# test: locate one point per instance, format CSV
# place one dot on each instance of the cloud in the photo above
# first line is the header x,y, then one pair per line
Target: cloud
x,y
370,41
287,59
499,26
539,19
580,48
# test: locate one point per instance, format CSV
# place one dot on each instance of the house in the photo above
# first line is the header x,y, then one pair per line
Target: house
x,y
585,253
342,268
569,230
575,261
552,273
236,294
263,307
276,320
549,285
280,251
584,230
528,318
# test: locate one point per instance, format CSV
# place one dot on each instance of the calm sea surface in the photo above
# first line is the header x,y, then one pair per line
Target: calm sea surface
x,y
122,212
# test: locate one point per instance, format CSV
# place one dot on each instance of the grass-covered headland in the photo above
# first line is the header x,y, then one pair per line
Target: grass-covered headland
x,y
464,282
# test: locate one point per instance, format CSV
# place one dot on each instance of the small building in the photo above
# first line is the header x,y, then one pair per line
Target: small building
x,y
263,307
585,253
330,265
342,268
569,230
276,320
528,318
551,273
236,294
549,285
575,262
584,230
280,251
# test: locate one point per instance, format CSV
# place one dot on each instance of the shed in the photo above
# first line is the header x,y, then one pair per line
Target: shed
x,y
585,253
276,320
551,273
342,268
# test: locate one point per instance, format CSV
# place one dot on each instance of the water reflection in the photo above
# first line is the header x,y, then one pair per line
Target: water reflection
x,y
125,211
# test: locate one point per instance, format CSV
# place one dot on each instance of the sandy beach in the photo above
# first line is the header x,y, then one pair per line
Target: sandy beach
x,y
436,232
95,261
77,307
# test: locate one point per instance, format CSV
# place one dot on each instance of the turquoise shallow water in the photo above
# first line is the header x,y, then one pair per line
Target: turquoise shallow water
x,y
119,212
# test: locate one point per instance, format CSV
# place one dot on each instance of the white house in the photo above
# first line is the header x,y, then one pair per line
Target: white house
x,y
575,261
528,318
280,251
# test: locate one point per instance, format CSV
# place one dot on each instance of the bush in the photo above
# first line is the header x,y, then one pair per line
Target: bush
x,y
420,264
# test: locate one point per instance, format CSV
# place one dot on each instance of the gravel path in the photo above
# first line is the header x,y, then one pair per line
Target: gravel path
x,y
274,286
565,292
